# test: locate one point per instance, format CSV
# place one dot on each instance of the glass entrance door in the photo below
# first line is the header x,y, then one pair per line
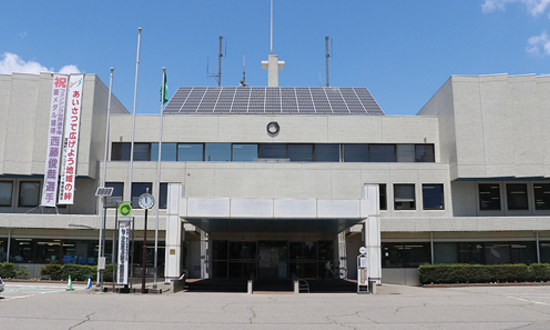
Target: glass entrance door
x,y
273,260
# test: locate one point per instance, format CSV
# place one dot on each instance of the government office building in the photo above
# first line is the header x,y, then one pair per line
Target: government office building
x,y
273,182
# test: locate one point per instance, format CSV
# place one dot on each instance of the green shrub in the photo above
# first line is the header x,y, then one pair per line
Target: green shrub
x,y
77,272
509,273
465,273
22,273
7,270
53,270
539,272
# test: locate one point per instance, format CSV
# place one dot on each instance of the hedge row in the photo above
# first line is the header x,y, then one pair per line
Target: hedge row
x,y
59,272
466,273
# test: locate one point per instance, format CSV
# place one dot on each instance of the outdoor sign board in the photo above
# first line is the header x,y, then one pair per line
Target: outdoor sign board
x,y
123,251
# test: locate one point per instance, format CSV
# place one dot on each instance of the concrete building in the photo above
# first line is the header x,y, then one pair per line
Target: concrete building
x,y
273,182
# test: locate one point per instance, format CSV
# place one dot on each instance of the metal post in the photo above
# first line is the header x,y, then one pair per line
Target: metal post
x,y
134,116
432,247
144,267
101,252
538,247
9,245
157,192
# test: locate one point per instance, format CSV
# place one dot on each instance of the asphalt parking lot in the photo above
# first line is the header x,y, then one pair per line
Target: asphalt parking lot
x,y
393,307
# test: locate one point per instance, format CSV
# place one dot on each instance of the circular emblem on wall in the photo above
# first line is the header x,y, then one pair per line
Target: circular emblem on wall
x,y
125,209
273,128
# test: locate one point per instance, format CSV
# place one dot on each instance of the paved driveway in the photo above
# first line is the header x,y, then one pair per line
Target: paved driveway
x,y
394,307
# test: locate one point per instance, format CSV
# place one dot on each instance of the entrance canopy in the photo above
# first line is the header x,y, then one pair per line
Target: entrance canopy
x,y
323,226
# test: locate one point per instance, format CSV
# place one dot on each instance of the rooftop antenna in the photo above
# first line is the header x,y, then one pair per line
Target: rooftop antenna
x,y
243,83
329,50
221,53
273,65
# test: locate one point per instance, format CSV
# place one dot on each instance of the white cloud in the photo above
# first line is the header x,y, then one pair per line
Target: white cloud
x,y
539,45
534,7
10,63
69,69
13,63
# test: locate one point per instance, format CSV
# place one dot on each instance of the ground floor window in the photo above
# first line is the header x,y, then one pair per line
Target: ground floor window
x,y
488,253
270,259
398,255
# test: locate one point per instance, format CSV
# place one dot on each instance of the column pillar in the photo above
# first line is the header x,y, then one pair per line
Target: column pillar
x,y
174,234
370,206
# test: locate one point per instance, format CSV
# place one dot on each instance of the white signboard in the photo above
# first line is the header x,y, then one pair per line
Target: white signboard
x,y
55,142
123,251
70,139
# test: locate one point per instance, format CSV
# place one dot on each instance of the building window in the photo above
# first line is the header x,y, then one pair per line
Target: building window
x,y
356,152
273,150
516,194
542,196
169,152
397,255
382,153
432,196
425,153
217,152
245,152
327,152
29,194
190,152
404,196
300,152
120,151
406,153
489,197
117,196
6,190
163,196
142,151
138,189
383,196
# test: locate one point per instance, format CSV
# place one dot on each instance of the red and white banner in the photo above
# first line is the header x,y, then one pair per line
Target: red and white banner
x,y
70,140
55,142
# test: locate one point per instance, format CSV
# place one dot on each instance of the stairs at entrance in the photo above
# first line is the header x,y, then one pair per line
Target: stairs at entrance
x,y
277,285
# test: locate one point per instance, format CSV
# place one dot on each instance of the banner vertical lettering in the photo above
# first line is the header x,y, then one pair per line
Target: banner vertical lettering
x,y
55,142
70,140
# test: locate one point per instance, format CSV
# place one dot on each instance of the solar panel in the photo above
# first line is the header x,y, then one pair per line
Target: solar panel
x,y
273,100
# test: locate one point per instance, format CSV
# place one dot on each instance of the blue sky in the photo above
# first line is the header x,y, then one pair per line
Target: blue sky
x,y
402,50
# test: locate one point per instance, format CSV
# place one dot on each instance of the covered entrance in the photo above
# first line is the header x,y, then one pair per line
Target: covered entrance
x,y
268,239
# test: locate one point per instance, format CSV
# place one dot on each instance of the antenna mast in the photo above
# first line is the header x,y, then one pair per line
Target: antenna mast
x,y
221,54
243,83
327,55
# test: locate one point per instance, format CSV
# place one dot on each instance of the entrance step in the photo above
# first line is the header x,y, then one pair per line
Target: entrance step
x,y
217,285
274,285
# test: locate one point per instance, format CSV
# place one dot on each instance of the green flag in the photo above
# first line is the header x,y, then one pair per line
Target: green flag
x,y
164,91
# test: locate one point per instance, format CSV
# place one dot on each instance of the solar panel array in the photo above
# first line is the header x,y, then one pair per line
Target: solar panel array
x,y
273,100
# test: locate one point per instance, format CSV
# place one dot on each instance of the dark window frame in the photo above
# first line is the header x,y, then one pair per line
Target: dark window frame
x,y
10,194
402,206
489,197
424,199
21,191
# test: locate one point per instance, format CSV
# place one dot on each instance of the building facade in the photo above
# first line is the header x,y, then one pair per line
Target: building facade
x,y
273,182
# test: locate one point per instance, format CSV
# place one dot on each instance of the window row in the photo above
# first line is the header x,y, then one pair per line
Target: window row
x,y
485,253
517,196
29,193
68,251
404,197
249,152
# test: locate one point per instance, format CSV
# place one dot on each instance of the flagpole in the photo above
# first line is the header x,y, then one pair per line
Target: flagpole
x,y
134,117
102,228
157,191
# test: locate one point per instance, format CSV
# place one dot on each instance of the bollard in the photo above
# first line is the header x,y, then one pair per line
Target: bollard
x,y
249,286
372,286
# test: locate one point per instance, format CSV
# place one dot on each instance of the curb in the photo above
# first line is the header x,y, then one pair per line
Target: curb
x,y
462,285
